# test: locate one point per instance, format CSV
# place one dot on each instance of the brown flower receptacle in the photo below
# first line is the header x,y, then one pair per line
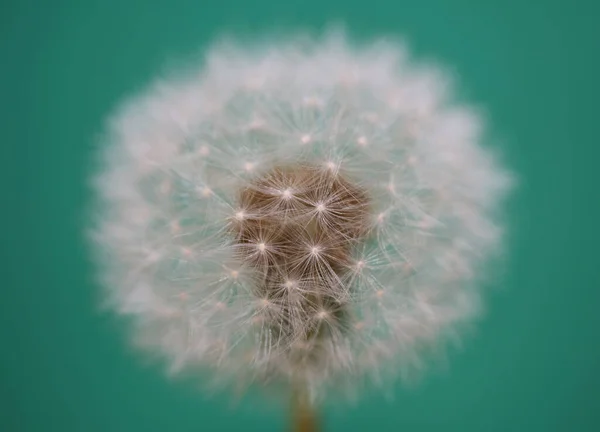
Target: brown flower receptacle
x,y
296,226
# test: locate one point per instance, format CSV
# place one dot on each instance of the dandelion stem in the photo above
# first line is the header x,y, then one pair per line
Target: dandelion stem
x,y
303,412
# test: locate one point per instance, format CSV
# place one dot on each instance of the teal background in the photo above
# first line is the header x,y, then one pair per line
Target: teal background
x,y
534,364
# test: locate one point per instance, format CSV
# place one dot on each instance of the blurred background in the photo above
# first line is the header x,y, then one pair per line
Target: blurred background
x,y
534,364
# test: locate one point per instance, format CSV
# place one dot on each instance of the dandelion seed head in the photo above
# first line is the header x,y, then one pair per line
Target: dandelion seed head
x,y
304,211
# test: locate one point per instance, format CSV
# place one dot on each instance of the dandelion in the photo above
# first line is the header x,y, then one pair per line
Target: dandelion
x,y
305,214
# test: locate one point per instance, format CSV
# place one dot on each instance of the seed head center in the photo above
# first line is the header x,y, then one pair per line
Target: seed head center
x,y
273,221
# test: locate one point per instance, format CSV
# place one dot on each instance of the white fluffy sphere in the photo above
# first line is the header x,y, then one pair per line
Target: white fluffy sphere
x,y
169,191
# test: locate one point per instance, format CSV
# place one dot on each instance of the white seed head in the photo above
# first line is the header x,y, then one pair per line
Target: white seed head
x,y
356,210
